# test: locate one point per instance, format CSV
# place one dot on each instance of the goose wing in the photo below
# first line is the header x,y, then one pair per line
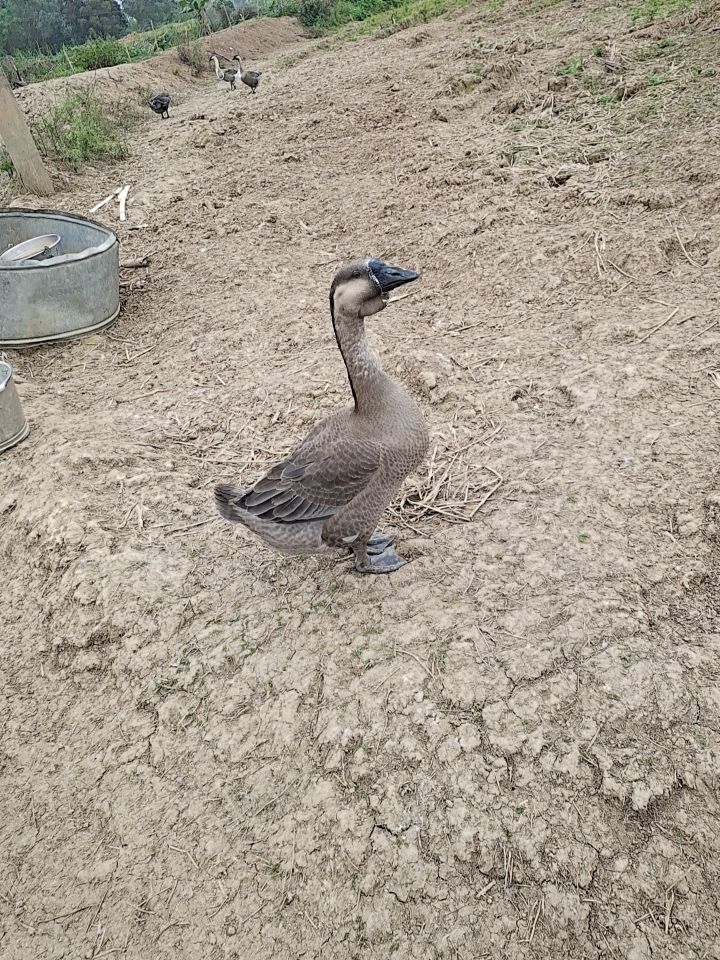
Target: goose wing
x,y
324,473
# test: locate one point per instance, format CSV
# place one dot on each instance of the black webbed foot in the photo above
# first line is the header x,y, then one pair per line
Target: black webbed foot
x,y
379,542
385,562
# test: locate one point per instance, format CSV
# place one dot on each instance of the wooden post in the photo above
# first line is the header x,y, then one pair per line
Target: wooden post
x,y
16,136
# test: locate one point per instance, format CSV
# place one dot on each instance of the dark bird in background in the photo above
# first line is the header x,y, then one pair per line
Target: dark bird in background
x,y
160,103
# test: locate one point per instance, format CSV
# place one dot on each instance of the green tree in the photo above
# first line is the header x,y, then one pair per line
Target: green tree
x,y
151,13
32,26
100,18
197,9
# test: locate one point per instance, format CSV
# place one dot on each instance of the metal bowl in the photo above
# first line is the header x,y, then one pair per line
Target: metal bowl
x,y
36,248
13,426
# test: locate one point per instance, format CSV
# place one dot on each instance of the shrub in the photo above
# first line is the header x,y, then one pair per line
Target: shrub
x,y
97,53
80,128
192,54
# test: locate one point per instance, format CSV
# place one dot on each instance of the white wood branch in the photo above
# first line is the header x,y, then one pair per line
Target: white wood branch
x,y
122,198
103,203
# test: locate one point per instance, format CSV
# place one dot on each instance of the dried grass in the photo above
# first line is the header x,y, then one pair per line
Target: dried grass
x,y
453,487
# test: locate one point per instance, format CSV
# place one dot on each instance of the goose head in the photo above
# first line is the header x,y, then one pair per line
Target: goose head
x,y
363,288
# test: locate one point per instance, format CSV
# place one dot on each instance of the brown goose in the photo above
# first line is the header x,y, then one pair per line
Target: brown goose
x,y
251,78
331,491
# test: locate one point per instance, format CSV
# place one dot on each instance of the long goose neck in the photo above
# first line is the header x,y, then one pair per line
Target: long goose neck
x,y
218,71
365,374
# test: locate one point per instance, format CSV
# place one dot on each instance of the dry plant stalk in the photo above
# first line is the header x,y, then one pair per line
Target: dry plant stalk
x,y
453,488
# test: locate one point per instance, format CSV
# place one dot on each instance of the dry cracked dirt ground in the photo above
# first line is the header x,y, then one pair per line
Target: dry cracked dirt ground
x,y
509,748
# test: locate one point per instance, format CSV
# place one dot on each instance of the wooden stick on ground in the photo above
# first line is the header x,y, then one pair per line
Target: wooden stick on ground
x,y
122,198
658,327
134,262
99,206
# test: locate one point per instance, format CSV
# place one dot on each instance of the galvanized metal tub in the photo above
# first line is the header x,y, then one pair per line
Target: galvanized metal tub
x,y
13,426
73,292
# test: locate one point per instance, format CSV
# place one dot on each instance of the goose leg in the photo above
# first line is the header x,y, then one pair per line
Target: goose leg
x,y
351,527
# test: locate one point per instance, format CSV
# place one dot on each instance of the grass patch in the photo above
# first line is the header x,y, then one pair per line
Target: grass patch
x,y
650,10
655,50
408,13
608,98
324,16
575,67
80,129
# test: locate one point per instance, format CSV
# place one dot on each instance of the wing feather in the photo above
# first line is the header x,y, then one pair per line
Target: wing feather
x,y
324,473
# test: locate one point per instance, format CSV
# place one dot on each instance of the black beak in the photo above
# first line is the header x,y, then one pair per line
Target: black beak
x,y
388,277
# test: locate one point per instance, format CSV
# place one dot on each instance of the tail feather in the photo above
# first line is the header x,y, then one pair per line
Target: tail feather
x,y
293,539
226,500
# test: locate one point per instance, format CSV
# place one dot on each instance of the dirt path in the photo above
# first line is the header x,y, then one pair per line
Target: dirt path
x,y
507,749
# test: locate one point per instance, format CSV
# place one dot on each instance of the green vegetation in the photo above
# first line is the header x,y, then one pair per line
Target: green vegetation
x,y
654,79
80,128
192,54
146,14
653,9
98,52
322,16
573,68
654,50
608,98
407,13
63,37
48,24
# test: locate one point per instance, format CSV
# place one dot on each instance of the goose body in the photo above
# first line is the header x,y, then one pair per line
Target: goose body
x,y
229,76
251,78
332,490
160,103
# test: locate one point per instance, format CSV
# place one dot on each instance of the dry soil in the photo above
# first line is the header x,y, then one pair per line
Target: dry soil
x,y
508,749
